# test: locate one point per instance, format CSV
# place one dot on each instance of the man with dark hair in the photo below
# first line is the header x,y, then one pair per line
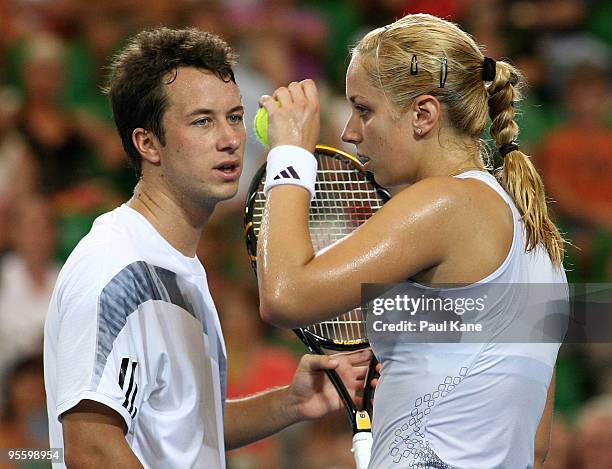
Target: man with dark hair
x,y
139,74
134,354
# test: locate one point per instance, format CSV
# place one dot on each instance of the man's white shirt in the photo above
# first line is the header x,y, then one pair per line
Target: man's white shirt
x,y
132,325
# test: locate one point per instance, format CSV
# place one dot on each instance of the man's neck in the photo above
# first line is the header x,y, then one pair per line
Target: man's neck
x,y
180,226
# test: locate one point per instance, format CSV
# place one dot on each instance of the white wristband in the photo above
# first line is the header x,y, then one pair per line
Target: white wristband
x,y
289,164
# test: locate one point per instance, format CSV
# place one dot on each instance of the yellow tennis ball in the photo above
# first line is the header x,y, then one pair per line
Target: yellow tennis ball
x,y
260,125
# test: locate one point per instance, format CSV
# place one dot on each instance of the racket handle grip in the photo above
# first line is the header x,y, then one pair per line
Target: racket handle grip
x,y
362,449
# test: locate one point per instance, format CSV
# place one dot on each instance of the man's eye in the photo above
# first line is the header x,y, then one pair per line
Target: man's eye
x,y
202,122
235,118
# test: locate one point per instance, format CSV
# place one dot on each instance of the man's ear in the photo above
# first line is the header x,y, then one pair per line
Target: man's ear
x,y
147,144
425,114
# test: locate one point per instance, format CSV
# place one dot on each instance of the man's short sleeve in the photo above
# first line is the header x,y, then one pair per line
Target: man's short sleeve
x,y
99,352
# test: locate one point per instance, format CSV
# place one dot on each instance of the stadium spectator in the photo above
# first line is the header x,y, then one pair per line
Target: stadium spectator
x,y
23,417
594,434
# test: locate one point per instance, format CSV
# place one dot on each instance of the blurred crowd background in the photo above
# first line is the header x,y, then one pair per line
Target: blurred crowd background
x,y
61,165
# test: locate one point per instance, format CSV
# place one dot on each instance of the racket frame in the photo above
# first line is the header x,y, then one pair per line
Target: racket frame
x,y
316,344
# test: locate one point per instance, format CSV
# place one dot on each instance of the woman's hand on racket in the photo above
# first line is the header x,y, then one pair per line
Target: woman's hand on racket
x,y
311,394
293,115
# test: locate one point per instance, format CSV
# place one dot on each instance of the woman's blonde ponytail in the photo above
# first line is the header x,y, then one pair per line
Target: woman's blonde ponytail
x,y
518,175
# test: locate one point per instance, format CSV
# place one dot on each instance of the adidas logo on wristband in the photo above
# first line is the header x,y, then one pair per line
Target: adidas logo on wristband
x,y
288,164
287,173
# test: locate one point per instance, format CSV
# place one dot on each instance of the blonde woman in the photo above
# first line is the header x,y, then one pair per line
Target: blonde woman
x,y
421,91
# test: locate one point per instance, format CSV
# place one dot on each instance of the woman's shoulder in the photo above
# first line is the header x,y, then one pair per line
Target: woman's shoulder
x,y
431,211
477,226
441,193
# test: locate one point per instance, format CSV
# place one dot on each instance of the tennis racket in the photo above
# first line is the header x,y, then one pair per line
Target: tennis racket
x,y
346,196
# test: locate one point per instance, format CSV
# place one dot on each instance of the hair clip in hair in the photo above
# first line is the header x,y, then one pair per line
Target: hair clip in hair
x,y
488,69
443,71
507,148
414,65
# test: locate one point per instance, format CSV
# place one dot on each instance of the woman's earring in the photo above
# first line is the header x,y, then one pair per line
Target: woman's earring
x,y
418,131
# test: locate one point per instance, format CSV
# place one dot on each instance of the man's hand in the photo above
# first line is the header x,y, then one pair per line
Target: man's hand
x,y
312,395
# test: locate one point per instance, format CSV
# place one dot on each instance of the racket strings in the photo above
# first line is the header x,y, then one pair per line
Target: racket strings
x,y
345,199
